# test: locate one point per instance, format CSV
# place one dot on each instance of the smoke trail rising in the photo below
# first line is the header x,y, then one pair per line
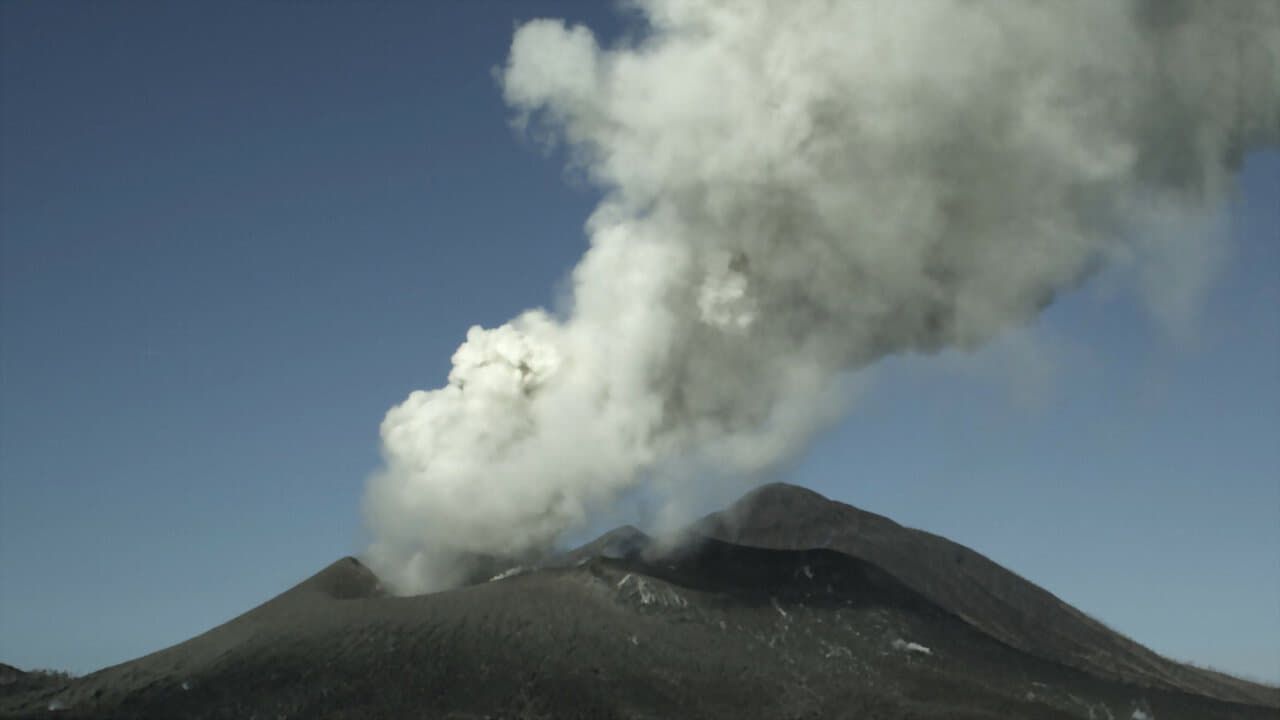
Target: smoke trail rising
x,y
794,190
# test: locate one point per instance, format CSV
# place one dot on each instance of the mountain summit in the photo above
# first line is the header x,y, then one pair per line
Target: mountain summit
x,y
783,605
966,583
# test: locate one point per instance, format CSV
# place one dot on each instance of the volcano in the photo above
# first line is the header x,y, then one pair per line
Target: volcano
x,y
783,605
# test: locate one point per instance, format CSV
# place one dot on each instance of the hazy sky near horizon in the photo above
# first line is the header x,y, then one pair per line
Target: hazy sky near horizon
x,y
233,235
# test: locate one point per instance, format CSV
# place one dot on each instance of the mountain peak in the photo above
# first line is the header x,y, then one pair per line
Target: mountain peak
x,y
783,493
344,579
789,516
620,543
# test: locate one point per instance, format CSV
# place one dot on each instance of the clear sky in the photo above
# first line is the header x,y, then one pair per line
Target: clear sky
x,y
233,235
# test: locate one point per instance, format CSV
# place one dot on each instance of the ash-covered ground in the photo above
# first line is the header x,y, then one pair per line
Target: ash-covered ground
x,y
784,605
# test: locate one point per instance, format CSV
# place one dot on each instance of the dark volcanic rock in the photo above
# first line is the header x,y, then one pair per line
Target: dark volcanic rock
x,y
346,579
762,622
14,681
624,543
10,675
992,598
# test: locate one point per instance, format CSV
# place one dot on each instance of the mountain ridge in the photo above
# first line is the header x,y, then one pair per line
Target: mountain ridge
x,y
1052,627
626,627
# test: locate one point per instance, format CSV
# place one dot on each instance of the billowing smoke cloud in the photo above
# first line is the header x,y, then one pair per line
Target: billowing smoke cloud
x,y
792,191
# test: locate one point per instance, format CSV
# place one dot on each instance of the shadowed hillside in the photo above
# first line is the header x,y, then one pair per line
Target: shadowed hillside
x,y
992,598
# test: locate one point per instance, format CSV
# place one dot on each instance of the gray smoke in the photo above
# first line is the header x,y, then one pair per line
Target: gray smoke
x,y
794,190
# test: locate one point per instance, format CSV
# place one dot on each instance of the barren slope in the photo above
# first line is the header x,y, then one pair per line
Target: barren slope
x,y
711,629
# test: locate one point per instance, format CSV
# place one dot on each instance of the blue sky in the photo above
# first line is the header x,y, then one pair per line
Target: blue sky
x,y
232,235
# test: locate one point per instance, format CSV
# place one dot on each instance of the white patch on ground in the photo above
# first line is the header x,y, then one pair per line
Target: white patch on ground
x,y
829,650
57,705
1096,710
649,594
1140,714
808,571
911,647
507,573
778,607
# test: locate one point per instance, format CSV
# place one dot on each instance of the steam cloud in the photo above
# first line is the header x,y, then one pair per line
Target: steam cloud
x,y
793,191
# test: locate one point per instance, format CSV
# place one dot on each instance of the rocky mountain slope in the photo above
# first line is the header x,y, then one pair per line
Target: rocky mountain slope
x,y
785,605
993,599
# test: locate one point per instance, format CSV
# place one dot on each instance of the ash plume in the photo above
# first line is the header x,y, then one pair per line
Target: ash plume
x,y
793,190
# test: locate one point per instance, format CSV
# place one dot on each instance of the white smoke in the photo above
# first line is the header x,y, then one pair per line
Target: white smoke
x,y
792,191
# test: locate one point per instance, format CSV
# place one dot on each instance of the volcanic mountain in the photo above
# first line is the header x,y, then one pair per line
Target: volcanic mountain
x,y
784,605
